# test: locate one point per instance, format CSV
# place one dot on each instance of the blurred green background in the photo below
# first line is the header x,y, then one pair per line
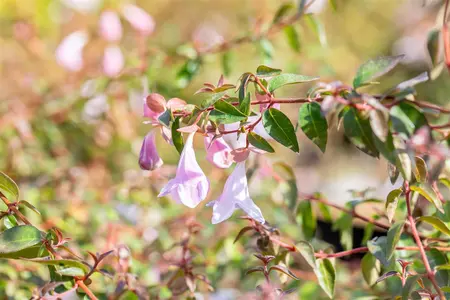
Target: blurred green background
x,y
78,163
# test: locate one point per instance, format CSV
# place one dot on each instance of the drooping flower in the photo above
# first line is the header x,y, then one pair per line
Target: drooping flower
x,y
190,185
235,195
149,158
110,26
139,19
218,152
69,53
113,61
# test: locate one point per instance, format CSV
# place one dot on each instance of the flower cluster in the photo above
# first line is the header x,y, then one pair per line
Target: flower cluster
x,y
69,53
190,185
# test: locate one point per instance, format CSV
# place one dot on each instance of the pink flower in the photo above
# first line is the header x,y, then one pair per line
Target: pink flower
x,y
190,185
218,152
110,26
154,106
113,61
139,19
148,157
235,195
69,53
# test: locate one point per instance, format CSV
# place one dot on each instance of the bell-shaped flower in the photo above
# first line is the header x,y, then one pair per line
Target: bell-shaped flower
x,y
218,152
190,185
148,157
139,19
235,195
110,26
113,61
69,53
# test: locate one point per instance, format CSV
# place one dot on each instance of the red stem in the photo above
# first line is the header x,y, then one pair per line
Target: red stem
x,y
412,224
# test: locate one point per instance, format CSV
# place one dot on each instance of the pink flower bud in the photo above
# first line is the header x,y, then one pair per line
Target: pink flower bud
x,y
235,195
113,61
69,53
218,152
154,106
110,26
148,157
190,185
139,19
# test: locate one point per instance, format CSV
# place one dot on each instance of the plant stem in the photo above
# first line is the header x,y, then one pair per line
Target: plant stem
x,y
365,249
86,290
412,224
14,209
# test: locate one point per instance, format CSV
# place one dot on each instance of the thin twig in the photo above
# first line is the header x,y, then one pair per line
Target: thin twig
x,y
11,206
86,290
412,224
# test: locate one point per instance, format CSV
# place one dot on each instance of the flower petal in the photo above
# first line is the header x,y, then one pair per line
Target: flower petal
x,y
113,61
139,19
110,26
69,53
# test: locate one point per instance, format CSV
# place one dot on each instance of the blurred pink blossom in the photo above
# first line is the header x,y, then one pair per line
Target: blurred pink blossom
x,y
69,53
190,185
139,19
235,195
149,158
110,26
113,61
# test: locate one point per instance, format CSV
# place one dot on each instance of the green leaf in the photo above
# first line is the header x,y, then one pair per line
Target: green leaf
x,y
326,275
410,284
280,128
241,232
325,211
436,223
317,27
213,99
377,247
358,130
393,172
285,79
393,236
406,119
403,161
427,192
177,137
345,226
222,118
228,108
259,142
379,123
267,50
282,11
368,233
314,124
387,275
433,45
187,72
245,105
29,205
370,268
292,38
243,86
391,203
307,251
254,269
387,148
165,118
306,218
284,270
8,187
226,63
288,187
62,264
374,68
70,271
265,71
420,170
19,238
